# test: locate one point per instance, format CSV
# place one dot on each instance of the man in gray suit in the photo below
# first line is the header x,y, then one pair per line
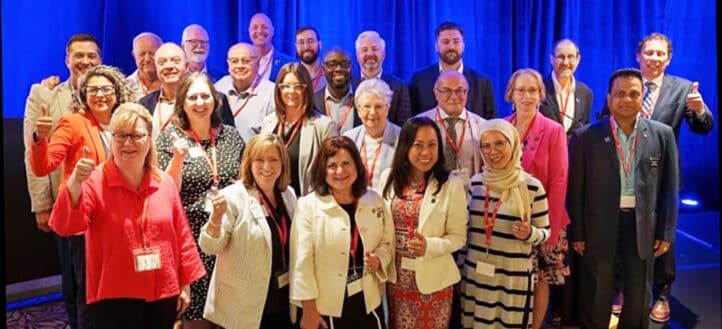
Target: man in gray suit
x,y
622,200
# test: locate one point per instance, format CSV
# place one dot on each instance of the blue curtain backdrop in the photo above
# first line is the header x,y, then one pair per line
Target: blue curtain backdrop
x,y
501,36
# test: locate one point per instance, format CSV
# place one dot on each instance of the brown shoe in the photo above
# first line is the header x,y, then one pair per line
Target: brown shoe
x,y
660,311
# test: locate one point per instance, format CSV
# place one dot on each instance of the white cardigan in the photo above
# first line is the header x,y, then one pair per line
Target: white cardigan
x,y
242,274
442,221
320,242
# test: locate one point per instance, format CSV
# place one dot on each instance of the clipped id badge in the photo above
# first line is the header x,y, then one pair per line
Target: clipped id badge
x,y
353,284
146,259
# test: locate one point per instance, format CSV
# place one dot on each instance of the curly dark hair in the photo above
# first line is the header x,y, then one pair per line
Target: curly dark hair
x,y
123,93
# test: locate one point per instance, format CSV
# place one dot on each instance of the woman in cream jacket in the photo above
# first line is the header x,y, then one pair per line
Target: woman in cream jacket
x,y
341,244
248,231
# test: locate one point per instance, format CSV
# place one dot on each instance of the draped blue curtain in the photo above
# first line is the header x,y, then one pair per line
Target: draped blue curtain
x,y
501,36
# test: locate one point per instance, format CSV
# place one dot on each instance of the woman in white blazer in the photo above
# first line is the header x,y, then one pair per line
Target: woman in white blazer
x,y
341,244
428,207
376,138
248,231
296,121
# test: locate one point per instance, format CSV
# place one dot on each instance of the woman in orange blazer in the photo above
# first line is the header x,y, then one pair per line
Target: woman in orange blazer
x,y
100,91
544,156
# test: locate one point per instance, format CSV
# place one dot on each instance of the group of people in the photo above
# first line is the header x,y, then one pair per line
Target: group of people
x,y
287,194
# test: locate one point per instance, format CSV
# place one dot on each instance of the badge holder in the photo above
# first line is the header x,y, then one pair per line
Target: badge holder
x,y
146,259
353,283
282,278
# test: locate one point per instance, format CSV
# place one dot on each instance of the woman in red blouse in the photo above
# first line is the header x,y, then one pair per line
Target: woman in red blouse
x,y
140,253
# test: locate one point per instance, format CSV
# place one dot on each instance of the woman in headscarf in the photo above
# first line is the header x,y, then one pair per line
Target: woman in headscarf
x,y
508,216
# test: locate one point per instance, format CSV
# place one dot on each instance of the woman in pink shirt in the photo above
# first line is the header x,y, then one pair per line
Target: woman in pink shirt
x,y
544,156
140,254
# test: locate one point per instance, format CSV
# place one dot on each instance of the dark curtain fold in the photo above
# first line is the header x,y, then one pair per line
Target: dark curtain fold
x,y
501,36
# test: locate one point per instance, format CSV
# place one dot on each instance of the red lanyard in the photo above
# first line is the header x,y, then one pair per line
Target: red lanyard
x,y
364,159
142,222
281,228
454,145
160,114
565,103
626,163
251,93
343,118
354,240
411,220
525,135
268,64
489,222
296,128
212,160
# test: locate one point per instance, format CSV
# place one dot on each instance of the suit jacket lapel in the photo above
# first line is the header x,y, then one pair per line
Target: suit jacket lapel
x,y
428,203
552,99
665,90
611,149
253,199
532,143
641,141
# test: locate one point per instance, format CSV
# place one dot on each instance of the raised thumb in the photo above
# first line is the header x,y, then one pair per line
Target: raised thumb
x,y
695,87
86,152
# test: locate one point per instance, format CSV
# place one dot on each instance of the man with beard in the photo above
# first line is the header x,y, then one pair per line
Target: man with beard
x,y
450,47
196,46
370,54
48,101
260,29
170,61
249,95
336,100
308,46
145,78
568,101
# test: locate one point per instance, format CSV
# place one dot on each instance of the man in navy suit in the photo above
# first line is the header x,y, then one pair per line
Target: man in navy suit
x,y
622,200
197,46
450,47
260,29
568,101
370,54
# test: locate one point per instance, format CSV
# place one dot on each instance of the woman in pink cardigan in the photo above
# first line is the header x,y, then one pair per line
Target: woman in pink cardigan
x,y
544,155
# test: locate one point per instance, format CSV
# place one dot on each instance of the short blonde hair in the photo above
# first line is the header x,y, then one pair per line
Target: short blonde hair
x,y
126,117
259,144
537,77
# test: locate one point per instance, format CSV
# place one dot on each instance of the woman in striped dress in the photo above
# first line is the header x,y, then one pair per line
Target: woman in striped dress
x,y
508,216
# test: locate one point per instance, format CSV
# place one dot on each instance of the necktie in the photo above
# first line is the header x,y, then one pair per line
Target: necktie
x,y
647,99
449,153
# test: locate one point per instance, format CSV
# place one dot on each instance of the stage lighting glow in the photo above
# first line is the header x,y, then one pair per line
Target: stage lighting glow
x,y
690,202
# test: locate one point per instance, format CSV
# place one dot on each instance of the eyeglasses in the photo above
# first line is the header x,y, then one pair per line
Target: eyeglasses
x,y
568,58
447,92
522,91
368,108
195,97
104,90
332,65
242,60
301,42
292,86
498,146
197,42
121,138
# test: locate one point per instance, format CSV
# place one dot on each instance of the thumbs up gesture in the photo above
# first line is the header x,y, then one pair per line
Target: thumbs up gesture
x,y
694,99
372,262
83,167
417,245
218,201
44,123
180,147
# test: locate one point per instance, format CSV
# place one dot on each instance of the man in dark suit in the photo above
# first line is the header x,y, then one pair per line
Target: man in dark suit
x,y
568,101
260,29
370,54
336,101
197,47
622,200
450,47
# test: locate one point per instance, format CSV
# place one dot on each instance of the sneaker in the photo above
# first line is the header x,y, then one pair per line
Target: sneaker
x,y
660,311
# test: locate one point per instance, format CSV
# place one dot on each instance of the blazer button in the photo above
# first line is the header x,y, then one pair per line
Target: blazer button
x,y
343,253
340,274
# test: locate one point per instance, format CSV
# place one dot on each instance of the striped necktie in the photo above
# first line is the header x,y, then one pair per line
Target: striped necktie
x,y
650,87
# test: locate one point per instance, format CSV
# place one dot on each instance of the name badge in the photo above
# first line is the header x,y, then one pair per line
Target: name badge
x,y
257,212
654,162
408,264
627,201
282,279
485,269
354,287
146,259
195,152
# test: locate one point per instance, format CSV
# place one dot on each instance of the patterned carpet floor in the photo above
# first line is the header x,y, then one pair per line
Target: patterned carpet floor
x,y
43,316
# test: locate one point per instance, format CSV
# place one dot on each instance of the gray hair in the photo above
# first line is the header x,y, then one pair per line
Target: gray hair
x,y
151,35
373,35
375,87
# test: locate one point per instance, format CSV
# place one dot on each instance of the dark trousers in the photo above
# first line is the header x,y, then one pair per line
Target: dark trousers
x,y
276,321
597,282
665,271
71,251
354,316
123,313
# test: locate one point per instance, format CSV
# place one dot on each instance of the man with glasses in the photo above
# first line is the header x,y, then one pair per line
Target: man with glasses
x,y
336,100
370,54
260,29
196,46
568,100
450,48
308,46
249,95
145,78
49,100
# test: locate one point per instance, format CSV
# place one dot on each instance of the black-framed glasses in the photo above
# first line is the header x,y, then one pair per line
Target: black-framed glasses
x,y
121,138
447,92
332,65
104,90
197,42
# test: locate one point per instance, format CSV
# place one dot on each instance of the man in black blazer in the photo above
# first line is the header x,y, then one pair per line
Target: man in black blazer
x,y
568,100
450,47
622,200
370,54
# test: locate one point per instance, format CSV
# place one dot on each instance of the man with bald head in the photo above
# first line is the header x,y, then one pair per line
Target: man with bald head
x,y
145,78
336,100
308,47
249,95
568,100
460,128
260,30
370,54
196,46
